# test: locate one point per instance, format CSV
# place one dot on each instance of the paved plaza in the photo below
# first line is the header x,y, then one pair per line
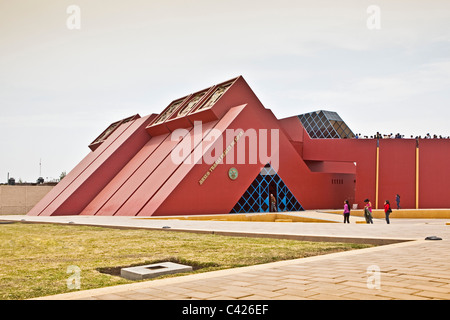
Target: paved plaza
x,y
404,266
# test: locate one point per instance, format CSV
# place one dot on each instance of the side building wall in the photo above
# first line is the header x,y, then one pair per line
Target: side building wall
x,y
417,171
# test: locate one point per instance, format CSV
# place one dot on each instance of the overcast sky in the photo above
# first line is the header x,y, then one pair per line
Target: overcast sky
x,y
61,87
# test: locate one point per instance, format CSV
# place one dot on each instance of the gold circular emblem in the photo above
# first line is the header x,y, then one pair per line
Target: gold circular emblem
x,y
233,173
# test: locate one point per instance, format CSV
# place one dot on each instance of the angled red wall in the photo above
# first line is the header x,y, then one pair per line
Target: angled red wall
x,y
182,192
217,194
127,179
157,179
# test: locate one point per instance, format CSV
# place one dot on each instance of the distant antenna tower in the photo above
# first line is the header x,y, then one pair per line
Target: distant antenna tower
x,y
40,167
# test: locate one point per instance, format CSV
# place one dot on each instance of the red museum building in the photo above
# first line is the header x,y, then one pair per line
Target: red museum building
x,y
219,150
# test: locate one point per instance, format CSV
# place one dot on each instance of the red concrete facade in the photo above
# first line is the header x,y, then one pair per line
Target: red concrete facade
x,y
203,153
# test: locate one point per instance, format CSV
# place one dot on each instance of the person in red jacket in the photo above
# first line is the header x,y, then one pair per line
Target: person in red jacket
x,y
387,210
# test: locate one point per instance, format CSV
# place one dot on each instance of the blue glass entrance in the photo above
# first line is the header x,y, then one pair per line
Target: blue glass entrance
x,y
256,198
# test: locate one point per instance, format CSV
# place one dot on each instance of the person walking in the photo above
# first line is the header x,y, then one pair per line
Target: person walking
x,y
387,210
346,212
368,211
273,203
397,199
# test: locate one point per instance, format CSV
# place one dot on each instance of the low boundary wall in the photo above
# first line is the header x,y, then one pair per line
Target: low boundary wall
x,y
20,199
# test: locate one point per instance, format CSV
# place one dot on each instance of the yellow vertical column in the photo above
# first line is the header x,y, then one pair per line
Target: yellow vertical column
x,y
377,173
417,174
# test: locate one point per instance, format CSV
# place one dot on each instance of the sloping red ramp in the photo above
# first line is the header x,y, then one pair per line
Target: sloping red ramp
x,y
90,176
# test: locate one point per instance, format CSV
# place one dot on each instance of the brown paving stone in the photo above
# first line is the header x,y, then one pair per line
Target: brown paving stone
x,y
289,297
261,286
271,283
358,284
149,291
236,288
433,295
299,293
414,277
208,289
200,295
408,283
431,288
175,289
361,290
295,285
400,289
240,283
324,296
133,295
294,281
329,291
265,278
234,294
220,298
188,285
268,294
110,296
294,276
360,296
400,296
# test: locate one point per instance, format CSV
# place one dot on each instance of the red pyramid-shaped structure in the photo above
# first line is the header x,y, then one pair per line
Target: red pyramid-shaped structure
x,y
199,156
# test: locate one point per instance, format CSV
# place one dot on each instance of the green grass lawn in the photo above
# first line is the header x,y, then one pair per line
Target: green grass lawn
x,y
34,258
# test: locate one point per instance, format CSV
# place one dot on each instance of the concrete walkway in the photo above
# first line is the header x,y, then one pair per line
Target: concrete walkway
x,y
406,267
